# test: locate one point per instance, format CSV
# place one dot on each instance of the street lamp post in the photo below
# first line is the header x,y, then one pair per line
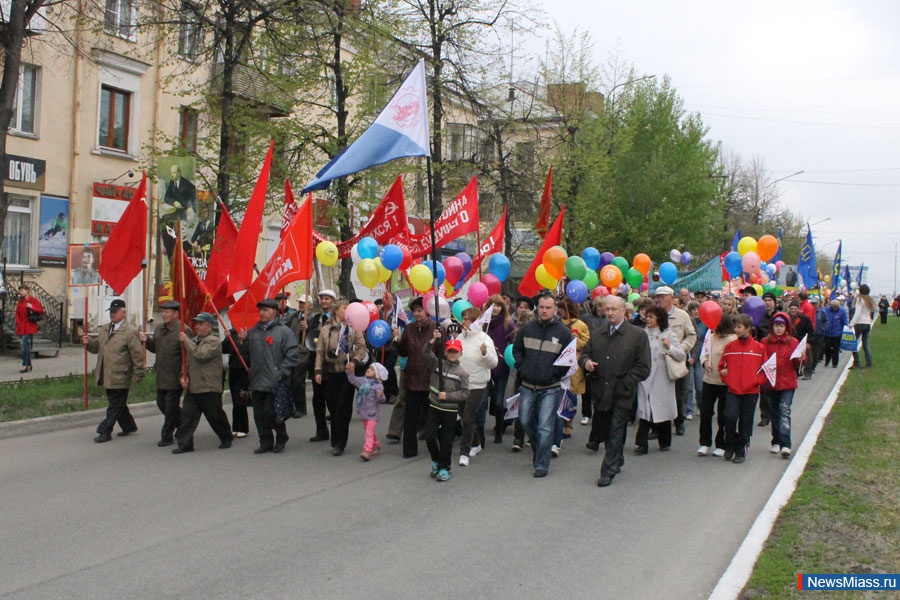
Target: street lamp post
x,y
770,184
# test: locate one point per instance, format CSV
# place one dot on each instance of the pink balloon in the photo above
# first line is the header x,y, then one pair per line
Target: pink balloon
x,y
357,316
478,294
453,269
751,262
493,284
645,286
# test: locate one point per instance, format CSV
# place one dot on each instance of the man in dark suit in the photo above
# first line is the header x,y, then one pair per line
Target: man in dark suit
x,y
180,196
616,358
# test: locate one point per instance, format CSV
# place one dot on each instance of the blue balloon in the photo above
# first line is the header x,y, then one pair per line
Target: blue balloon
x,y
378,333
591,257
437,270
577,291
499,267
367,248
391,257
686,258
508,357
605,259
668,273
733,263
467,264
756,308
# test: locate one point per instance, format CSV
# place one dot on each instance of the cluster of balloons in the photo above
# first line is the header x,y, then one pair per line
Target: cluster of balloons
x,y
678,256
582,272
363,317
751,257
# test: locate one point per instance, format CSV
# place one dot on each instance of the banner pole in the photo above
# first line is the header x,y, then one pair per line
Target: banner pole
x,y
437,306
85,350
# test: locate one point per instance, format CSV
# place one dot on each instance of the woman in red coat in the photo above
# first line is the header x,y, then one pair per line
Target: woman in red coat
x,y
26,325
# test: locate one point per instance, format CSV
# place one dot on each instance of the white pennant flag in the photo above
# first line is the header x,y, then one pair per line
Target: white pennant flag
x,y
800,350
479,323
568,358
769,369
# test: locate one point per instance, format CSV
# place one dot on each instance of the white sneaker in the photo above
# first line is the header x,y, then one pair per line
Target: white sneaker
x,y
586,421
474,450
775,449
554,451
702,450
463,460
240,434
785,453
689,417
719,452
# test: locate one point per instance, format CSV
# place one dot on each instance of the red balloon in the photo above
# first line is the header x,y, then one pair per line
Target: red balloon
x,y
600,290
373,311
710,314
407,258
453,269
493,284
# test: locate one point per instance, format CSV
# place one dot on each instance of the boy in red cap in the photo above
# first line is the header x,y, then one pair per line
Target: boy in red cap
x,y
445,401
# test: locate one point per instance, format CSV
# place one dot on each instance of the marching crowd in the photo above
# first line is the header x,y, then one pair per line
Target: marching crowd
x,y
654,363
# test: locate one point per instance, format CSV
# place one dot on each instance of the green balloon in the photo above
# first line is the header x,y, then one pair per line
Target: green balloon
x,y
458,307
633,296
621,263
634,278
575,268
591,280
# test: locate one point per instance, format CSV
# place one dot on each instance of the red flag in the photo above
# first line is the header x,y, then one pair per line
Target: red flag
x,y
241,273
458,219
543,220
492,244
290,206
187,287
220,259
529,285
126,248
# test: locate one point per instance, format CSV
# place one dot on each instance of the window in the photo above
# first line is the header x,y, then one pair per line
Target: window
x,y
115,115
121,18
187,131
464,142
189,31
25,105
17,241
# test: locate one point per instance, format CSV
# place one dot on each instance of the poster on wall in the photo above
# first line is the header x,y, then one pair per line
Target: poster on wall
x,y
54,231
84,262
180,201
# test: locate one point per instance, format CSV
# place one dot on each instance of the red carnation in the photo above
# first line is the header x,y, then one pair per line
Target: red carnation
x,y
269,340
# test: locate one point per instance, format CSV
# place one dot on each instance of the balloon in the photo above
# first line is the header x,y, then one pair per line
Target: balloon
x,y
443,306
642,263
367,271
779,264
745,245
499,266
493,284
591,258
576,291
767,247
554,261
755,307
600,291
610,276
758,288
458,307
686,258
478,294
354,254
827,279
750,262
367,247
327,253
576,268
606,258
675,255
591,280
633,296
436,269
854,285
634,277
544,278
391,257
453,267
770,269
508,357
770,285
373,310
621,263
383,273
407,259
753,278
357,316
733,263
711,314
763,277
466,261
624,289
645,286
668,273
421,278
378,333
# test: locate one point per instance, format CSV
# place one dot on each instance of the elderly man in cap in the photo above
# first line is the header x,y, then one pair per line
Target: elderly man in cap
x,y
204,383
314,326
681,324
297,322
164,343
120,361
273,353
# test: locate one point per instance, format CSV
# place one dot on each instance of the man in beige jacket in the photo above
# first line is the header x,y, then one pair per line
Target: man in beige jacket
x,y
680,323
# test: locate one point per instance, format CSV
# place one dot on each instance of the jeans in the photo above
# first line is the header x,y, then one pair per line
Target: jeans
x,y
537,411
780,410
26,349
469,420
862,336
695,388
495,393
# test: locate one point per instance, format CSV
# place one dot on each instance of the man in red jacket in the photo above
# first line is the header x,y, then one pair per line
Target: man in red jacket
x,y
740,367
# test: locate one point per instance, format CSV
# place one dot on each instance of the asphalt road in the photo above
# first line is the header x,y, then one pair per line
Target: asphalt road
x,y
129,520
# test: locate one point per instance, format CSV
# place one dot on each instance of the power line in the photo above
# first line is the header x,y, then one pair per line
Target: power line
x,y
885,185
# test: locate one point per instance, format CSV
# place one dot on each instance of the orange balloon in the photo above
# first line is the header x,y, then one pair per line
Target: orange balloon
x,y
555,262
610,276
642,263
767,247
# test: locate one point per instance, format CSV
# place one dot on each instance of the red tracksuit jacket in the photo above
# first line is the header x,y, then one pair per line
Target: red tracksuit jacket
x,y
743,359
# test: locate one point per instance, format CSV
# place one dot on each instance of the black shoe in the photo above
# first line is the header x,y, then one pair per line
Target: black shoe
x,y
279,445
296,414
764,422
593,446
103,437
739,459
183,450
319,438
498,438
126,432
409,455
393,438
164,443
517,445
665,448
641,450
225,444
540,473
262,450
679,430
652,435
604,481
729,454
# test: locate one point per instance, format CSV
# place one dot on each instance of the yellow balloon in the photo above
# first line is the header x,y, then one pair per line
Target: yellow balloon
x,y
827,279
747,244
383,273
544,278
367,271
421,278
758,288
327,253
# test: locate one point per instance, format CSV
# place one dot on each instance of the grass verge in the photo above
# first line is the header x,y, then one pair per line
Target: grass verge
x,y
843,517
41,398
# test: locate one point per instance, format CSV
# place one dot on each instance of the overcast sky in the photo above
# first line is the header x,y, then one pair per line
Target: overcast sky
x,y
805,85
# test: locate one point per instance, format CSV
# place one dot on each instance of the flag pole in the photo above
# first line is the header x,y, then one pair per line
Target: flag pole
x,y
437,306
85,349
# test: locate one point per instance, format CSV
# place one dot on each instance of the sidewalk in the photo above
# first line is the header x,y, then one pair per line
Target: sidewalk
x,y
69,362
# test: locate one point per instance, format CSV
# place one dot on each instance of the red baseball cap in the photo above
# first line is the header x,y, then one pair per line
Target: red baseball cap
x,y
454,345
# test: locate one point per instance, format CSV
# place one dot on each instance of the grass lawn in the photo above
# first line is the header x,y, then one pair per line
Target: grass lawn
x,y
40,398
844,517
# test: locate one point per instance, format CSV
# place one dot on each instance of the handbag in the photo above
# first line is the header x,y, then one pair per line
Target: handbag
x,y
848,340
34,317
675,368
243,397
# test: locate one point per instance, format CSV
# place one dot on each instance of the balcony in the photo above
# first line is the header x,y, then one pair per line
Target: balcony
x,y
252,87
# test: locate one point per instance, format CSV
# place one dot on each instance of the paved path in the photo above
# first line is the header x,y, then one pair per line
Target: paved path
x,y
130,520
70,361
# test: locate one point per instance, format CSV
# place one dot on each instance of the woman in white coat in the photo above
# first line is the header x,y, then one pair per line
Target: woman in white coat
x,y
656,405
